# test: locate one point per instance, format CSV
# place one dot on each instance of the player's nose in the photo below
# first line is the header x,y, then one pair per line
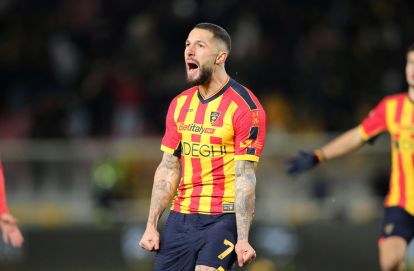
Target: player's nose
x,y
189,50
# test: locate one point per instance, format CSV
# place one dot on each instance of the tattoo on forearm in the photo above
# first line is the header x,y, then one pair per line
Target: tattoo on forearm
x,y
165,183
245,196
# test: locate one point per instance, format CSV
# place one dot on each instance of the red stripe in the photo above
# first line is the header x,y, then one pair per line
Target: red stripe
x,y
412,118
215,140
197,185
3,202
181,118
222,108
201,112
398,111
196,138
401,181
218,185
197,167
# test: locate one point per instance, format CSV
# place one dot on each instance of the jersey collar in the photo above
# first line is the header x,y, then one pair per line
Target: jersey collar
x,y
217,94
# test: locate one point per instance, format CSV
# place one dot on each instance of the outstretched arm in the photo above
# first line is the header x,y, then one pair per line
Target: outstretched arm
x,y
341,145
165,183
244,207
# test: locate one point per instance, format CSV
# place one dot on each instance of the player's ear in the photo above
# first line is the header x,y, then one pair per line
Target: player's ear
x,y
221,57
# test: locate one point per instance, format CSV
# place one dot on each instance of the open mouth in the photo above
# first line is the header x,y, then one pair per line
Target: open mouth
x,y
192,66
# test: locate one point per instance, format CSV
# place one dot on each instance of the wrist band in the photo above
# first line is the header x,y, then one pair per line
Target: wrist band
x,y
319,154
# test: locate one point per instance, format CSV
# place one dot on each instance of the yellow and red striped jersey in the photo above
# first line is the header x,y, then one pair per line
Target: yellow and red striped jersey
x,y
395,114
209,135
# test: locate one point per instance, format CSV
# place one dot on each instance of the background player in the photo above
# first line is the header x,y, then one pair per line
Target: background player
x,y
216,130
10,232
394,114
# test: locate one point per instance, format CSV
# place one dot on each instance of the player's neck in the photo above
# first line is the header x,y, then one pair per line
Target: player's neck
x,y
411,93
214,85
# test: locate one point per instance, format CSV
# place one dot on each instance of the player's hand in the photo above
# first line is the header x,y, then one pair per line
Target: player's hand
x,y
10,232
150,240
304,161
245,252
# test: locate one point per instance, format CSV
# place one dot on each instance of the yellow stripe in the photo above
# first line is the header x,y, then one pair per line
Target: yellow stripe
x,y
394,193
391,110
188,173
180,102
206,165
229,184
405,135
228,139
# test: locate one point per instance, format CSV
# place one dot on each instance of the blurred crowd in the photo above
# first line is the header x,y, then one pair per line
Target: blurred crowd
x,y
106,68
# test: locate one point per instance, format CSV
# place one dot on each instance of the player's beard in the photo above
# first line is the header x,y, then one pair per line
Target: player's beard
x,y
204,76
410,84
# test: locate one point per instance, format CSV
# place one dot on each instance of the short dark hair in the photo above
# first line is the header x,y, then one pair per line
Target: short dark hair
x,y
218,33
410,48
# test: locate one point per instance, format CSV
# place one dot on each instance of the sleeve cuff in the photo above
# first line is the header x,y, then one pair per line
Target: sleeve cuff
x,y
167,149
247,157
363,134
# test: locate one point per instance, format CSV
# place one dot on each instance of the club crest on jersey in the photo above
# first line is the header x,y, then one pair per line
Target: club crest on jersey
x,y
214,115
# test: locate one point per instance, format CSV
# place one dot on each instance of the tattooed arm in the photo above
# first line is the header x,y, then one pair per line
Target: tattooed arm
x,y
244,207
166,179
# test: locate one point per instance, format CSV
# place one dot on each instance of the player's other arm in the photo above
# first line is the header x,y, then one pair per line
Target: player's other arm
x,y
165,183
340,146
245,196
3,200
8,225
343,144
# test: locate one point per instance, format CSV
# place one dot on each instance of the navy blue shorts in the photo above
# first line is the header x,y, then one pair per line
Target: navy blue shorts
x,y
397,222
188,240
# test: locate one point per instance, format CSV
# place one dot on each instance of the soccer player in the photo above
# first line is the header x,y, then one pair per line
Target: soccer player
x,y
394,114
216,131
10,232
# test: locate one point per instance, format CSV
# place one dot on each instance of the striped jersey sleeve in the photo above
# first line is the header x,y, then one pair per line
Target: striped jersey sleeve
x,y
375,122
3,202
249,128
171,140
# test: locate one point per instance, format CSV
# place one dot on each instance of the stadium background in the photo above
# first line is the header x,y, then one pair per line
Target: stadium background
x,y
84,88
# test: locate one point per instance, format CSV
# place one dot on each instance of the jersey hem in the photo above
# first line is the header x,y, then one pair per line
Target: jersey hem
x,y
201,213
